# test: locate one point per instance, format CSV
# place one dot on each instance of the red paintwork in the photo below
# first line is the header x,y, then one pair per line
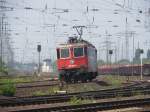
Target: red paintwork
x,y
84,62
78,63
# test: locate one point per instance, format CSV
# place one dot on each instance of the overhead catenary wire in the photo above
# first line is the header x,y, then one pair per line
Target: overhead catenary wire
x,y
82,10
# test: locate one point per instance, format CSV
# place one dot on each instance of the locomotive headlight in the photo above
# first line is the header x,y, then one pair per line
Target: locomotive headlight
x,y
71,61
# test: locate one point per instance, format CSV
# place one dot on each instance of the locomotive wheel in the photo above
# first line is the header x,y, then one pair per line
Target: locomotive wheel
x,y
84,77
62,75
90,79
65,78
68,78
76,77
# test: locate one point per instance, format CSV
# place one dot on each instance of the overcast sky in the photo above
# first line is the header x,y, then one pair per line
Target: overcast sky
x,y
50,22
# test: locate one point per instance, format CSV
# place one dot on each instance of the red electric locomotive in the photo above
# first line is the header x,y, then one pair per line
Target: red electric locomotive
x,y
76,60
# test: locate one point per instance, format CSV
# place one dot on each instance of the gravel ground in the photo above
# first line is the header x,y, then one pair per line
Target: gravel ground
x,y
133,109
69,88
101,82
7,109
126,78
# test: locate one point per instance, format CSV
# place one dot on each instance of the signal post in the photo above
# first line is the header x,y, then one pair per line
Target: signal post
x,y
39,51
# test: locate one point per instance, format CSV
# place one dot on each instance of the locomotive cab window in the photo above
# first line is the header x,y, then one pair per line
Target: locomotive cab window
x,y
64,53
78,52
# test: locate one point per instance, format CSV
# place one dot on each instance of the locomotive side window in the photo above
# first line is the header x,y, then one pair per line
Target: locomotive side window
x,y
78,51
58,54
85,51
64,53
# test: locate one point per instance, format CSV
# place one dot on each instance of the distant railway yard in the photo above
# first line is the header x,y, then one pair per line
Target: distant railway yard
x,y
105,93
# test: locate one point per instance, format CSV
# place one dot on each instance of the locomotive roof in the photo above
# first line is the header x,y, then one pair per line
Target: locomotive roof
x,y
77,43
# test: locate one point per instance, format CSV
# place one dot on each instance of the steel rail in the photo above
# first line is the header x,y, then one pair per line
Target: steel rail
x,y
29,82
92,107
66,97
38,85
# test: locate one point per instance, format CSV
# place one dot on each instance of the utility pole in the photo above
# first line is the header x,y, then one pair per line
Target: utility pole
x,y
147,15
6,53
110,53
107,47
141,56
1,37
1,32
133,55
99,52
147,44
1,60
116,54
126,40
107,44
118,48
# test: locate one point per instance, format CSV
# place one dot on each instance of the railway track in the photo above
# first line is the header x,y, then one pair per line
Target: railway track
x,y
44,83
91,107
110,93
39,81
30,85
33,84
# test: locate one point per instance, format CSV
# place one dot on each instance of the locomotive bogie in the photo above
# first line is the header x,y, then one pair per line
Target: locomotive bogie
x,y
73,76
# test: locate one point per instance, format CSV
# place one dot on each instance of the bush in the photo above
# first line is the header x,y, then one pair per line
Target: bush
x,y
8,89
114,81
53,90
3,68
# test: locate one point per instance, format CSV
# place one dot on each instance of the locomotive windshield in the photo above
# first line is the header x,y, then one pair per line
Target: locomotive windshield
x,y
64,53
78,52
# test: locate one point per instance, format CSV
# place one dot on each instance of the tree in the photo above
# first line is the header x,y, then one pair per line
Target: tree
x,y
137,54
146,60
3,68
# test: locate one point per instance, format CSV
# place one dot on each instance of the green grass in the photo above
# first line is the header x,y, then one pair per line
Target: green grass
x,y
8,89
17,80
4,70
50,91
75,101
114,80
39,93
1,92
53,90
78,101
81,87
